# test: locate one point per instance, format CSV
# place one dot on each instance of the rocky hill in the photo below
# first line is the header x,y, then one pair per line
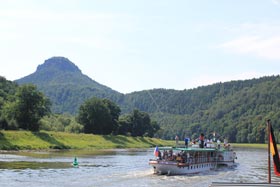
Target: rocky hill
x,y
67,87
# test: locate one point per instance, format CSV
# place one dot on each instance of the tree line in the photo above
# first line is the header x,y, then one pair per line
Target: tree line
x,y
236,110
24,107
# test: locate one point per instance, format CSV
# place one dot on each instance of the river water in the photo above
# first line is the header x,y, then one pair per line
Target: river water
x,y
117,168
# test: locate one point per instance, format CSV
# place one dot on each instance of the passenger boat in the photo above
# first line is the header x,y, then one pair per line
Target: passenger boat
x,y
191,160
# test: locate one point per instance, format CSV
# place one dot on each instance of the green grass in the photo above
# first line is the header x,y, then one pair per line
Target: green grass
x,y
247,145
26,140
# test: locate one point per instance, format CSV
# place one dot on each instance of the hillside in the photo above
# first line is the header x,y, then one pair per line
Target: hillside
x,y
63,82
236,109
189,101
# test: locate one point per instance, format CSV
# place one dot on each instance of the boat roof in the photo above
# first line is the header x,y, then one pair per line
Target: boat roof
x,y
190,149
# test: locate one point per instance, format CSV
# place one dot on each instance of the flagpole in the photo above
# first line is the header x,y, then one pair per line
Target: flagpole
x,y
268,142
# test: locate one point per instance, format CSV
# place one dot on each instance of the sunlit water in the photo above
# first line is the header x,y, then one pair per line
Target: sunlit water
x,y
118,168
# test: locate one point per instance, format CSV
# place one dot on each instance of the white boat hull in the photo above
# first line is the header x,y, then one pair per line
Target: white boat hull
x,y
173,168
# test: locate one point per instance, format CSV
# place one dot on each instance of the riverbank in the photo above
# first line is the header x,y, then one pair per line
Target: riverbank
x,y
248,145
44,140
26,140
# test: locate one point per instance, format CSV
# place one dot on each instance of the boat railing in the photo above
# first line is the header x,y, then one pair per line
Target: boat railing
x,y
201,159
193,156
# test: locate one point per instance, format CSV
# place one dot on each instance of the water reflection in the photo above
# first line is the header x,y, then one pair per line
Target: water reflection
x,y
34,165
59,153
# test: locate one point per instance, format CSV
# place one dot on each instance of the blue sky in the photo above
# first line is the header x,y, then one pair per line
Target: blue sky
x,y
133,45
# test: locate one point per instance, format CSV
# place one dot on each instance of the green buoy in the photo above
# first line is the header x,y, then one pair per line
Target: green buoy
x,y
75,163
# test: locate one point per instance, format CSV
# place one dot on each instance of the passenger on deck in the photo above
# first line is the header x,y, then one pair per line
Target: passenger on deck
x,y
225,142
219,143
165,154
186,142
177,140
201,140
170,153
193,142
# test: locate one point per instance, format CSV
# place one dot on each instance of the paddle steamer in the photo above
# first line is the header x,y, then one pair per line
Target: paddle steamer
x,y
191,160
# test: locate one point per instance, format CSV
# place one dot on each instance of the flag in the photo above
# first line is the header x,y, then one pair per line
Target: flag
x,y
274,152
156,151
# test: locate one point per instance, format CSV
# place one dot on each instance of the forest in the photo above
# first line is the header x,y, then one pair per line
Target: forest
x,y
235,110
25,108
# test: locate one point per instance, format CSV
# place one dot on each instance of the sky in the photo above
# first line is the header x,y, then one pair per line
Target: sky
x,y
134,45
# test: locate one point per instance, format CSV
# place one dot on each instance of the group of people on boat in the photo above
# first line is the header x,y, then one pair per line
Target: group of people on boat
x,y
187,140
184,156
169,155
203,142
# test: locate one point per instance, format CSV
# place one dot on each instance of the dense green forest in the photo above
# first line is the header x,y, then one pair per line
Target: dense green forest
x,y
236,110
26,108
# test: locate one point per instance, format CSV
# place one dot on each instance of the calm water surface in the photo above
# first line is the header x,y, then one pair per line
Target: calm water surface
x,y
116,168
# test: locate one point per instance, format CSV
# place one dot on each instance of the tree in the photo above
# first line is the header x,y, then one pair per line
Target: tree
x,y
137,123
114,112
125,125
153,129
60,122
8,116
99,116
140,123
7,95
30,106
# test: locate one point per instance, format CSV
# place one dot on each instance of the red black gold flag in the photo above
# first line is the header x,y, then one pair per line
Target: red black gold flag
x,y
274,152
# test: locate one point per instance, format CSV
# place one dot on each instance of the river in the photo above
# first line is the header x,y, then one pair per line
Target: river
x,y
117,168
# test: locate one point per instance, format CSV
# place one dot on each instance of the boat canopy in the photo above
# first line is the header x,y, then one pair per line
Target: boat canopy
x,y
188,149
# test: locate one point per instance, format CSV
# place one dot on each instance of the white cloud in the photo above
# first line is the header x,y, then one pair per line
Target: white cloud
x,y
260,40
253,29
264,47
84,28
276,2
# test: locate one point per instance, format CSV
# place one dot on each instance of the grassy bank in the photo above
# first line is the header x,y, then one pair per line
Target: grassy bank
x,y
26,140
22,140
248,145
